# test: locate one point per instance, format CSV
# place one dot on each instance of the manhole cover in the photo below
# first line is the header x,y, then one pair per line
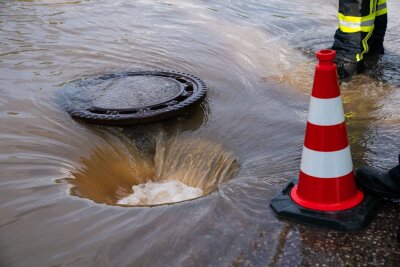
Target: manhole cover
x,y
133,97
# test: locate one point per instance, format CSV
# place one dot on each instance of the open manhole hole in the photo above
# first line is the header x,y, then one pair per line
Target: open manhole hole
x,y
180,169
132,97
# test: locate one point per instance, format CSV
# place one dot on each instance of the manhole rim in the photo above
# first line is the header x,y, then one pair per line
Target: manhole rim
x,y
145,114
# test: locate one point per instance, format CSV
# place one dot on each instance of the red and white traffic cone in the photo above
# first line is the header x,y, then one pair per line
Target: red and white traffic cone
x,y
326,193
326,180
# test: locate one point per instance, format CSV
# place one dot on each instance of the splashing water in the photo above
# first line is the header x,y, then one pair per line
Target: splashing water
x,y
155,193
196,162
178,169
251,55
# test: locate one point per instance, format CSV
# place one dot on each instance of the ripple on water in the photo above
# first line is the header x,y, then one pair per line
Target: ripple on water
x,y
254,55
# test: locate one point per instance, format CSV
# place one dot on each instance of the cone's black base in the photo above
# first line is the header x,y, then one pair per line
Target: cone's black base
x,y
351,219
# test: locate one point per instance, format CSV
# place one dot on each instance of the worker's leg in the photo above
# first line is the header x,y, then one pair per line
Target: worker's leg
x,y
380,183
356,25
376,41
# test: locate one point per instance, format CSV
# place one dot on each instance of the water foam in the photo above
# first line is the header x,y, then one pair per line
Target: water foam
x,y
154,193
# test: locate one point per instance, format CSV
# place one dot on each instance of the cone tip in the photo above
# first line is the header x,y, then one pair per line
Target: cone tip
x,y
326,54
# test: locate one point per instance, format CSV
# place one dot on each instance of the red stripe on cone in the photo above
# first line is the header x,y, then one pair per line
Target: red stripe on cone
x,y
326,78
326,138
327,194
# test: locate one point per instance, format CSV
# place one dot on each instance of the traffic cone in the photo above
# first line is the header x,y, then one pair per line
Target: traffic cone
x,y
326,180
326,193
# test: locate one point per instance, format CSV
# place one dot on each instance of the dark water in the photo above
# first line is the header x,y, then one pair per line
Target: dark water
x,y
255,58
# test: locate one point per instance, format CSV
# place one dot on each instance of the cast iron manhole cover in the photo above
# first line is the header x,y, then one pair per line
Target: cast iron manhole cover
x,y
133,97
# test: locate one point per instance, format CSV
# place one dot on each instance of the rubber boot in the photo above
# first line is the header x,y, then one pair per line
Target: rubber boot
x,y
347,69
385,184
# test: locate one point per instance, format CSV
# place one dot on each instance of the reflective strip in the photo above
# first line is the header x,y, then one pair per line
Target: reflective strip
x,y
326,112
351,27
380,2
326,164
372,6
353,30
357,24
355,19
381,12
351,24
381,6
365,46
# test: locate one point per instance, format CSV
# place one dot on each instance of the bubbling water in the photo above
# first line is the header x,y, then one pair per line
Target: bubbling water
x,y
179,169
155,193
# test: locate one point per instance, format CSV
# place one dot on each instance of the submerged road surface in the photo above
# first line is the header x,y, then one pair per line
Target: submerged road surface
x,y
60,179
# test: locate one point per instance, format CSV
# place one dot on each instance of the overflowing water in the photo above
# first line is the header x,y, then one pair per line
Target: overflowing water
x,y
61,179
163,192
111,170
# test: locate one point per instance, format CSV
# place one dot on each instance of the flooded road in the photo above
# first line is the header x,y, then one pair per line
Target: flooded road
x,y
60,178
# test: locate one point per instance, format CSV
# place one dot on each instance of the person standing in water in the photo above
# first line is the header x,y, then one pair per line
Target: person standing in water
x,y
362,27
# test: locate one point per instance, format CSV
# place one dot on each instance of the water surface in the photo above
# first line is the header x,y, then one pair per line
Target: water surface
x,y
255,58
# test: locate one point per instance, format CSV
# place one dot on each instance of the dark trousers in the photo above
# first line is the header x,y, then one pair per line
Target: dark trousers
x,y
362,27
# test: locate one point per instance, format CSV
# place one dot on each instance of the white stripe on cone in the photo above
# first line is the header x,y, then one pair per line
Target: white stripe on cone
x,y
326,164
326,112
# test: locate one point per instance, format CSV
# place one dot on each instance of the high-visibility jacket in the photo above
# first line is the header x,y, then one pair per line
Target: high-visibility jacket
x,y
362,27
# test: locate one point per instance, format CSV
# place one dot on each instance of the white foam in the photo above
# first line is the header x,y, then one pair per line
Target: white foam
x,y
153,193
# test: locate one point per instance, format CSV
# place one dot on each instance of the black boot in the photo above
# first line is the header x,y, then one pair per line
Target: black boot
x,y
385,184
347,69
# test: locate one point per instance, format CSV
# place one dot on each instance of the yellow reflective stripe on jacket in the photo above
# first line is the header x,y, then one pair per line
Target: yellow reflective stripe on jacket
x,y
381,12
381,9
356,19
372,6
352,24
382,6
365,47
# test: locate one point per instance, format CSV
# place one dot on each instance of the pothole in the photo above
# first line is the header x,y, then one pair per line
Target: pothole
x,y
178,169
